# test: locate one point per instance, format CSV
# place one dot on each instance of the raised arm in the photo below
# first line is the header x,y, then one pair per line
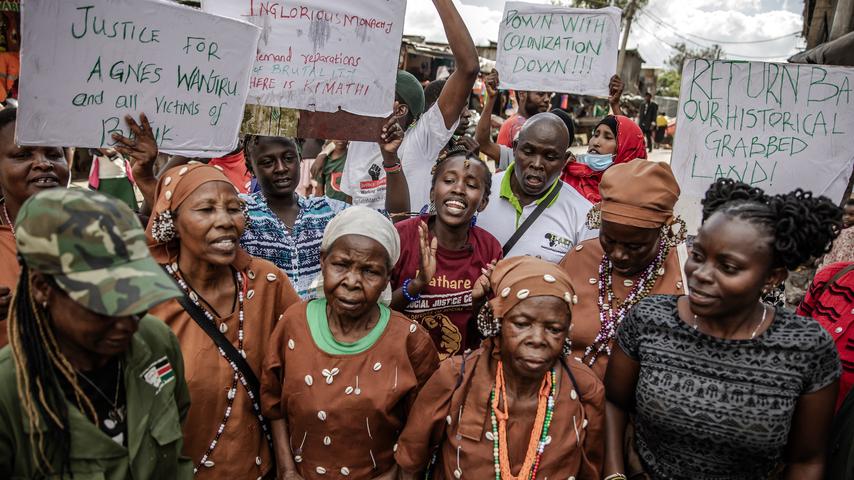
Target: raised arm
x,y
615,91
397,189
455,94
483,131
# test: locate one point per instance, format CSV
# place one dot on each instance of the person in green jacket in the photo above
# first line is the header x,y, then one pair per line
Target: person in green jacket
x,y
90,386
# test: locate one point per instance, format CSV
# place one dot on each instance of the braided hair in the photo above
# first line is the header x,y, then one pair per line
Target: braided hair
x,y
458,150
39,364
801,227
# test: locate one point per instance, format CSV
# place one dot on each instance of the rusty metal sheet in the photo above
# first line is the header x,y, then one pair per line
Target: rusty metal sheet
x,y
339,126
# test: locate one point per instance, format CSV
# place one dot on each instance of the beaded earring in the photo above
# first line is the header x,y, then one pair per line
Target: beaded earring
x,y
594,217
674,238
163,227
474,220
432,208
567,347
487,324
247,220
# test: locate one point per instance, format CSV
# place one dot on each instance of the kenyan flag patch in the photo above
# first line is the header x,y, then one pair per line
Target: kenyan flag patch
x,y
159,373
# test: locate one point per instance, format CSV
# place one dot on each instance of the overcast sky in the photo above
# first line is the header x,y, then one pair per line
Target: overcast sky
x,y
663,22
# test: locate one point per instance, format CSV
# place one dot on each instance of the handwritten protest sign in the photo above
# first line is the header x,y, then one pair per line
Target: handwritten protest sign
x,y
85,64
773,125
323,55
557,49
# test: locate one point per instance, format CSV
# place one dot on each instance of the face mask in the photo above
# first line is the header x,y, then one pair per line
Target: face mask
x,y
597,162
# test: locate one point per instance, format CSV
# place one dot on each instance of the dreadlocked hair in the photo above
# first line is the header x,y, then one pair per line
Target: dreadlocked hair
x,y
39,364
460,150
802,227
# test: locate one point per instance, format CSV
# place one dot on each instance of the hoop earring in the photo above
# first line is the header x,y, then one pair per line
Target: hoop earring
x,y
567,347
674,238
487,324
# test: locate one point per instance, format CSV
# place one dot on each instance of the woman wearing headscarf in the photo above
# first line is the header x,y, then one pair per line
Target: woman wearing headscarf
x,y
616,140
342,371
230,297
517,407
90,386
634,256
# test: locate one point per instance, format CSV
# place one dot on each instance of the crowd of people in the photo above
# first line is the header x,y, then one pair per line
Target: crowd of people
x,y
510,309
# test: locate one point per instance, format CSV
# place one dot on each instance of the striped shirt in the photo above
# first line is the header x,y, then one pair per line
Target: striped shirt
x,y
295,250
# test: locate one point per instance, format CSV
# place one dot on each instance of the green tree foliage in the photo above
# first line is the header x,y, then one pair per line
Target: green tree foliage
x,y
668,83
682,52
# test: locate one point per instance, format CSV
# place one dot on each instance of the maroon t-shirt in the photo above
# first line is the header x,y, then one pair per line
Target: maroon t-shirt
x,y
444,308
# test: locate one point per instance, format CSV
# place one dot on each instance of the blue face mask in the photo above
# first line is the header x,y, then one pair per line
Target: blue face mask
x,y
597,162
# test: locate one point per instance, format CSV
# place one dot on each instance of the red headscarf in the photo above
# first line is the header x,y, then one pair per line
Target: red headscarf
x,y
630,145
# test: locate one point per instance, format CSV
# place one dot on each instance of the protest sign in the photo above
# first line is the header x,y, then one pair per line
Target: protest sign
x,y
776,126
557,49
85,64
323,55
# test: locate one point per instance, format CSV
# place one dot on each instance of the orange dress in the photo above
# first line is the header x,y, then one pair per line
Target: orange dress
x,y
242,451
452,413
582,265
9,271
344,411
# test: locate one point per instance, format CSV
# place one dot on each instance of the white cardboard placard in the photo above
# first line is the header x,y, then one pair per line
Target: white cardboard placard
x,y
323,55
85,64
557,49
777,126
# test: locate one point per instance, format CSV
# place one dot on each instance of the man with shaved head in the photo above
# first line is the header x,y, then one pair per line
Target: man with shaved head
x,y
532,184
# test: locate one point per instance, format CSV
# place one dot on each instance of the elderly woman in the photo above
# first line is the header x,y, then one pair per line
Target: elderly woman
x,y
342,372
515,408
231,306
633,257
616,140
24,171
92,387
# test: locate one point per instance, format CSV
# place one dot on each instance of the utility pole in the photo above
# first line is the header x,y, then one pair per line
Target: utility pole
x,y
630,13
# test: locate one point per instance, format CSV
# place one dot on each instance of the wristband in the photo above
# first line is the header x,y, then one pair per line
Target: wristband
x,y
616,476
409,298
396,168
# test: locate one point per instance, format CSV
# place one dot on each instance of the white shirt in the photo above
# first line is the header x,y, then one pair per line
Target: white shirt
x,y
364,178
561,226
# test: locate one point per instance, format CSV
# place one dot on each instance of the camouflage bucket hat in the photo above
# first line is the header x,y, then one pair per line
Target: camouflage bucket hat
x,y
94,247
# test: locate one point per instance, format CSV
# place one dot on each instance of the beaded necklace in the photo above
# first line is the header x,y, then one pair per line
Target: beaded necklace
x,y
542,422
232,391
9,220
611,309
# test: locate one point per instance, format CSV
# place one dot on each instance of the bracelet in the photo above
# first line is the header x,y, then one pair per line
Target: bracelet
x,y
616,476
396,168
409,298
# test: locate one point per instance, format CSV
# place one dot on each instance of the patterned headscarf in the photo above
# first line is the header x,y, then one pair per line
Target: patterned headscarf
x,y
174,186
517,278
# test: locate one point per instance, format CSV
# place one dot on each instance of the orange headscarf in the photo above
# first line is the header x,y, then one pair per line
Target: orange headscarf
x,y
641,193
174,186
518,278
630,145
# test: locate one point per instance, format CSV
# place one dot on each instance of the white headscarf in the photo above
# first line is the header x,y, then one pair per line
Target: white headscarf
x,y
367,222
